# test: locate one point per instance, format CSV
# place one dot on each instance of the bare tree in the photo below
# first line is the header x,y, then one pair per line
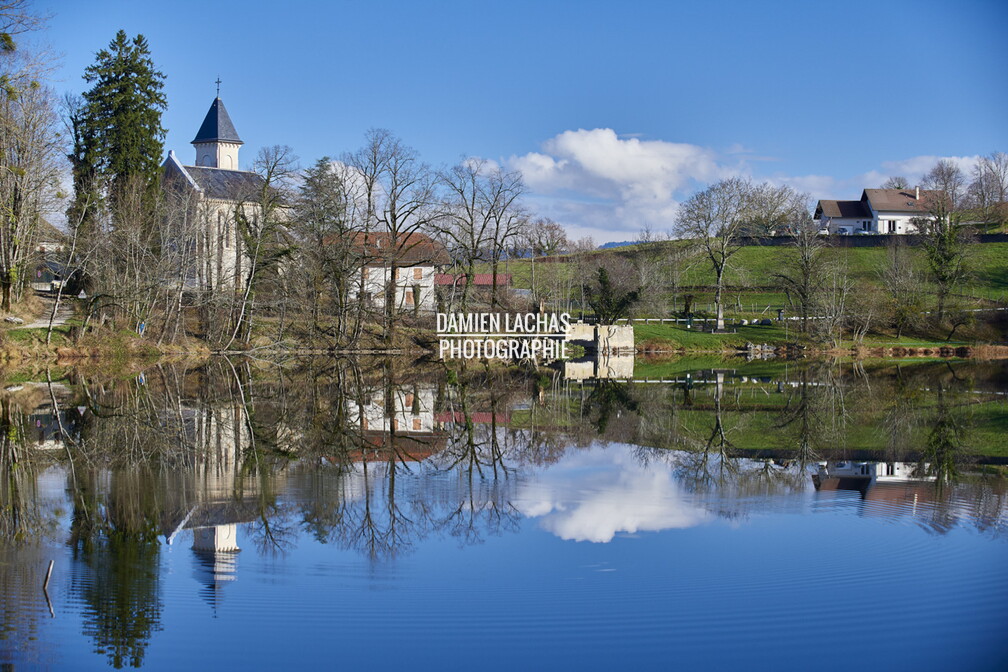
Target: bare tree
x,y
544,237
508,219
399,196
261,219
717,218
802,278
775,210
481,218
465,222
30,154
989,189
896,182
583,245
16,17
547,238
948,180
904,286
833,304
30,145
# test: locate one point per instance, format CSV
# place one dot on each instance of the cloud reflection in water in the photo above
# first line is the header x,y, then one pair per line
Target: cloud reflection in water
x,y
593,494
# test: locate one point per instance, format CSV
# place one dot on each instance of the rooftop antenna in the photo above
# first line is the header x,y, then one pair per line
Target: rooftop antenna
x,y
218,86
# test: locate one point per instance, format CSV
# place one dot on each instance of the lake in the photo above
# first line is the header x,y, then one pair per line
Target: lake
x,y
690,514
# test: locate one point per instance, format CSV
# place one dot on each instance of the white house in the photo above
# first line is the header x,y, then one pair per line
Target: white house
x,y
416,258
409,411
878,211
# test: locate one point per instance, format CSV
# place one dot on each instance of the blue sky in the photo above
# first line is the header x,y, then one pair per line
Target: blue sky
x,y
614,112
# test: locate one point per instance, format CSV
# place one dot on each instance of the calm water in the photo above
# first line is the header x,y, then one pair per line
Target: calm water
x,y
333,516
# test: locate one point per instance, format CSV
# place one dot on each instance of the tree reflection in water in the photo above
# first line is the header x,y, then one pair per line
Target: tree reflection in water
x,y
376,457
114,533
478,452
947,437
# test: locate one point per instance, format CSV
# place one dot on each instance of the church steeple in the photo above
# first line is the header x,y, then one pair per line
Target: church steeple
x,y
217,141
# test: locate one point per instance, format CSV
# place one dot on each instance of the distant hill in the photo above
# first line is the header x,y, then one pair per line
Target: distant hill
x,y
622,243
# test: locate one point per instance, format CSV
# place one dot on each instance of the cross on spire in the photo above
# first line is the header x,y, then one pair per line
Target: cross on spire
x,y
218,86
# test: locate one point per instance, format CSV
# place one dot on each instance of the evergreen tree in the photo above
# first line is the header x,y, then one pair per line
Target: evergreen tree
x,y
117,132
608,302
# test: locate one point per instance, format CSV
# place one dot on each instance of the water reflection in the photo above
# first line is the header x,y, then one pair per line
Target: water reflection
x,y
594,494
379,459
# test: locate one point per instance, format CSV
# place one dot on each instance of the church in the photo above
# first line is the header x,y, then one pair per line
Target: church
x,y
217,190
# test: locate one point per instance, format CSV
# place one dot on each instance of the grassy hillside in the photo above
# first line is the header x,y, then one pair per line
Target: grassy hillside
x,y
754,267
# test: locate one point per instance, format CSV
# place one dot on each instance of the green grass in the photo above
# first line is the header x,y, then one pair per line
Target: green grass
x,y
23,336
676,336
756,266
990,428
644,368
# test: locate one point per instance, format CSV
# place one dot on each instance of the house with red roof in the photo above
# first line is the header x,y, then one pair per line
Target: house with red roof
x,y
450,286
410,260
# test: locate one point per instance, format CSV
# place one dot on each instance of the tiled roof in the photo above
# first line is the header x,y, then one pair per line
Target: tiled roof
x,y
476,417
842,209
229,185
217,125
899,200
409,249
479,279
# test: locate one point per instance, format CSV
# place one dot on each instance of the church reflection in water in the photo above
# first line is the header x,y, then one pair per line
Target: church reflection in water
x,y
374,462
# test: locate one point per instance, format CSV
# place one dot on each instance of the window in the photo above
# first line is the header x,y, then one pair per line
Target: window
x,y
417,426
864,226
418,274
892,226
409,297
365,272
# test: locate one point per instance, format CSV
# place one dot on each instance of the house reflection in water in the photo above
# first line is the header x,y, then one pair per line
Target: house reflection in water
x,y
861,476
46,424
897,487
397,422
601,366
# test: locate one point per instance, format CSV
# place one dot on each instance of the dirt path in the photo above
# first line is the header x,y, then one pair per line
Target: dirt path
x,y
62,315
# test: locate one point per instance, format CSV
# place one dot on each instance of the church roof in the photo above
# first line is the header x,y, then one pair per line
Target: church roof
x,y
228,185
217,125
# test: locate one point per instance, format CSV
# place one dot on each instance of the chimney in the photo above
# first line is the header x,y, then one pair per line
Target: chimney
x,y
918,194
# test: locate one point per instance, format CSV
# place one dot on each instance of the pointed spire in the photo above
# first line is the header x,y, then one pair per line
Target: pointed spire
x,y
217,126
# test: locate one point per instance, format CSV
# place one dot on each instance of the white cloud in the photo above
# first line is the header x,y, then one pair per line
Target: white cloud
x,y
913,169
594,494
609,186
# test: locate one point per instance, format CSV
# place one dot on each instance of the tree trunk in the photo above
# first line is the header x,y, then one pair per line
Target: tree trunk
x,y
5,283
717,301
493,285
